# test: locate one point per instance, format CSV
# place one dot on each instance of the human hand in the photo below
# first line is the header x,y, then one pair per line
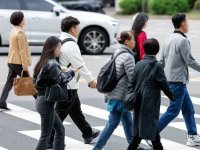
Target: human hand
x,y
75,70
93,84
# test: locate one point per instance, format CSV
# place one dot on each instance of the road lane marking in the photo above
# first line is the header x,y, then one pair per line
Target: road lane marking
x,y
2,148
168,145
182,126
26,114
103,114
195,100
70,143
87,109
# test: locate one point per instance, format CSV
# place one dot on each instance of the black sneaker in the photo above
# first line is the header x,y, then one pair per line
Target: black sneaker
x,y
5,109
94,135
50,145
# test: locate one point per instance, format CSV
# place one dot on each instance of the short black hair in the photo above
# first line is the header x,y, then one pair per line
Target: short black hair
x,y
151,46
69,22
16,18
178,19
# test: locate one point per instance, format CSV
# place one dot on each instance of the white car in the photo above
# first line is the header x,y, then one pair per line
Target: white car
x,y
43,19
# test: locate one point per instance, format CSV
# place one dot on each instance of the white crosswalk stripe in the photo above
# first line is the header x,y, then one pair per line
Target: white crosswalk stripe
x,y
1,148
73,143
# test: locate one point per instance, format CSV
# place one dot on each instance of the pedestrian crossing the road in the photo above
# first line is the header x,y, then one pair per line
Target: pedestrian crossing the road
x,y
96,113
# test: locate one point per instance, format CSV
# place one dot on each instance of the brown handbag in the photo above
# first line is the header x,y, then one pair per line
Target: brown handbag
x,y
24,86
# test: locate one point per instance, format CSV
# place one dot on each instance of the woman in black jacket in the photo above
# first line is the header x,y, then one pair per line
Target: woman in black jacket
x,y
48,72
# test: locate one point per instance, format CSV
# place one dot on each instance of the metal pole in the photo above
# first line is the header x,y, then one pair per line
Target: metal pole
x,y
143,5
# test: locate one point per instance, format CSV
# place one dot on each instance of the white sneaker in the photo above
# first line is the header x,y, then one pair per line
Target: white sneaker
x,y
193,140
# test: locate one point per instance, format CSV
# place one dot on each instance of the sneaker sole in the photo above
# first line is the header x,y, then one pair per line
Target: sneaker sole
x,y
192,144
89,141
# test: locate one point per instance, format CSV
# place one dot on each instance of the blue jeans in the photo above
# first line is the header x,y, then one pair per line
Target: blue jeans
x,y
113,122
182,102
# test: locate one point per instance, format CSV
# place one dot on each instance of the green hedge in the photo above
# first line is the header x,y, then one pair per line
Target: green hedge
x,y
191,3
130,6
169,7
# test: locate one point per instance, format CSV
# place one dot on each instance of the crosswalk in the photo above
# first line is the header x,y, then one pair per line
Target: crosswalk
x,y
99,113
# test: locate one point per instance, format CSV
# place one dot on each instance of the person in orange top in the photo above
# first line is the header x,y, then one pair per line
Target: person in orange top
x,y
19,56
139,24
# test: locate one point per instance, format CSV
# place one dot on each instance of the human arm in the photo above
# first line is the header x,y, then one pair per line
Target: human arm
x,y
162,83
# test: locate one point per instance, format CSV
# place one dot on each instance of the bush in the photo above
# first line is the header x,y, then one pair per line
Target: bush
x,y
169,7
132,6
191,3
197,5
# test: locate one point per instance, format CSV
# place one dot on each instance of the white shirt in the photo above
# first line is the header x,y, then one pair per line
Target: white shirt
x,y
70,53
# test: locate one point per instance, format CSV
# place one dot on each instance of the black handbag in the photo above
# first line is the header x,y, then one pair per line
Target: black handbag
x,y
133,94
56,92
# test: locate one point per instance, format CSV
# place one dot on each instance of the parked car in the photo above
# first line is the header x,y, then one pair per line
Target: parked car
x,y
43,18
83,5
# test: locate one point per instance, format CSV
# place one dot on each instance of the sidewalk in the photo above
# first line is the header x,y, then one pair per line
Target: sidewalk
x,y
111,12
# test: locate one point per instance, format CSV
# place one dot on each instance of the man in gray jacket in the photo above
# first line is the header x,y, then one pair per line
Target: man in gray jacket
x,y
176,58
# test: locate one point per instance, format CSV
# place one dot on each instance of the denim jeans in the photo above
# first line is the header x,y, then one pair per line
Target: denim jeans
x,y
182,102
49,121
114,119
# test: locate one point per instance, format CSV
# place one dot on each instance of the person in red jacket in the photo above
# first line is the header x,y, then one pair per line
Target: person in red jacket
x,y
139,24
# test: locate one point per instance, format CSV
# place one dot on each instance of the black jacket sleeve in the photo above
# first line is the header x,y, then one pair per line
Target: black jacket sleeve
x,y
161,81
56,76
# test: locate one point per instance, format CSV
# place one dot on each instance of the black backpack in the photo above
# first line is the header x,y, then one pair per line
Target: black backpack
x,y
107,78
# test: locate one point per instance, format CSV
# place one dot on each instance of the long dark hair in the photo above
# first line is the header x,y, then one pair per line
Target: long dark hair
x,y
139,23
47,54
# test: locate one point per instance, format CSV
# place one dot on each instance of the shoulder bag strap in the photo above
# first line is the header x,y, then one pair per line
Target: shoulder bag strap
x,y
151,68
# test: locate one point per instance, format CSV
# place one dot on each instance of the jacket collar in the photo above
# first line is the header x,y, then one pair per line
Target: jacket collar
x,y
150,58
65,35
124,47
179,32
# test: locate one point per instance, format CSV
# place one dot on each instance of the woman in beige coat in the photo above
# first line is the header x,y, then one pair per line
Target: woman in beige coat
x,y
19,57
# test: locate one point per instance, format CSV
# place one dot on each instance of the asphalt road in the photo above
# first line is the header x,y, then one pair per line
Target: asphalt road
x,y
19,129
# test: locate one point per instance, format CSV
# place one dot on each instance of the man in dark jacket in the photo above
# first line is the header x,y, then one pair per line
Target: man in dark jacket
x,y
150,77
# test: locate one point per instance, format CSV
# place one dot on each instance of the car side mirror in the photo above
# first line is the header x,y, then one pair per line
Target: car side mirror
x,y
57,11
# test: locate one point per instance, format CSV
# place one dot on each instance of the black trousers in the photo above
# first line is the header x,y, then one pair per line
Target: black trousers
x,y
14,70
73,109
49,120
157,145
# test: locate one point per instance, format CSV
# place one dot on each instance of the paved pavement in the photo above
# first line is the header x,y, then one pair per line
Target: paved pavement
x,y
20,128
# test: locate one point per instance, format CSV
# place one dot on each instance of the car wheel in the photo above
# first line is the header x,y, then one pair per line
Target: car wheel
x,y
93,40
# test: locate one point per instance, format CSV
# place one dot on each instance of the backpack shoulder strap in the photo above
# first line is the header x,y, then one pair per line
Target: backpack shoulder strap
x,y
121,52
67,40
147,71
64,41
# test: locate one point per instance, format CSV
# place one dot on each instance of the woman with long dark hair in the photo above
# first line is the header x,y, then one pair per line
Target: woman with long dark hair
x,y
139,24
48,72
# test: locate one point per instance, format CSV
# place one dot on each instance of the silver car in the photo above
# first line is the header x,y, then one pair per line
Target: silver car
x,y
43,18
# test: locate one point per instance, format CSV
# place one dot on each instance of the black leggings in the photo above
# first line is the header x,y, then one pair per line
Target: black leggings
x,y
157,145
